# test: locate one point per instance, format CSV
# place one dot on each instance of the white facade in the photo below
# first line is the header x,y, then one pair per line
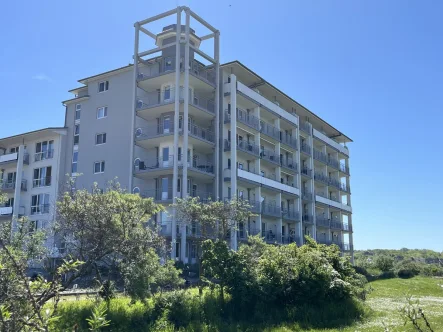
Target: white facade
x,y
31,175
181,124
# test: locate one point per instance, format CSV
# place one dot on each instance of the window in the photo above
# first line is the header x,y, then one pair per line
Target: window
x,y
102,112
44,150
168,64
42,177
179,185
229,163
78,110
136,190
13,150
167,95
179,154
10,202
76,134
263,229
240,166
99,167
100,139
11,179
103,86
262,173
34,225
74,161
40,204
166,124
193,251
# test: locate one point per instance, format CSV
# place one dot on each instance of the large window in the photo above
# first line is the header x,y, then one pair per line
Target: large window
x,y
42,177
100,138
99,167
44,150
103,86
102,112
40,204
78,110
13,150
74,161
167,93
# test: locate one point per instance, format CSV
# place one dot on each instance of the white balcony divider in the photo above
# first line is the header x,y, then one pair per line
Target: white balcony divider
x,y
330,202
331,142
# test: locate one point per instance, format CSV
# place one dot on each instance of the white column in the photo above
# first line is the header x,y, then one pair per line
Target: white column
x,y
18,187
233,150
217,114
134,106
176,125
185,128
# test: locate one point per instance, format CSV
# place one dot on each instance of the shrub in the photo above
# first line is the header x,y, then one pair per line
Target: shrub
x,y
407,269
384,263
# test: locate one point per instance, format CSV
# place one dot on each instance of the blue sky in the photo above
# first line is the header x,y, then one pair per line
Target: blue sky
x,y
373,69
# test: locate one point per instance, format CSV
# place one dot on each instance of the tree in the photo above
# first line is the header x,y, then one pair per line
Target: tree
x,y
110,230
384,263
22,299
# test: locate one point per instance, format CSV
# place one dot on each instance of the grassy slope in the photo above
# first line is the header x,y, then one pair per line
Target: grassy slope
x,y
387,297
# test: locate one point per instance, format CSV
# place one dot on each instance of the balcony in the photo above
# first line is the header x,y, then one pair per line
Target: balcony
x,y
270,130
11,158
166,196
306,195
48,154
7,211
335,182
306,148
288,239
336,225
321,193
306,127
245,118
40,209
271,210
347,227
271,237
289,141
291,214
344,169
41,182
345,188
270,156
333,162
10,186
308,219
289,164
318,176
334,197
167,162
320,156
153,133
164,65
306,172
166,97
322,221
247,147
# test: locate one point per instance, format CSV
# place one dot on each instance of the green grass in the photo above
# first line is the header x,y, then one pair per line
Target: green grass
x,y
385,300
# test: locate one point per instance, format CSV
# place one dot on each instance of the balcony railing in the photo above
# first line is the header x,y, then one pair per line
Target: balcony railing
x,y
40,209
42,182
7,186
321,193
344,168
336,225
155,130
289,140
322,221
306,171
48,154
307,218
291,214
270,130
306,148
320,156
248,119
271,237
244,146
270,209
334,198
333,162
164,97
270,155
334,182
287,239
163,65
7,211
344,187
167,195
306,195
306,127
13,157
347,227
164,162
288,163
318,176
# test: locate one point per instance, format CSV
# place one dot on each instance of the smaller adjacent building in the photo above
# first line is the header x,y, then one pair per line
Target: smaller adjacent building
x,y
31,174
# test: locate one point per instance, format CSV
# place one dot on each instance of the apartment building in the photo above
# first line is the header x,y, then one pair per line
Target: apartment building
x,y
31,175
178,123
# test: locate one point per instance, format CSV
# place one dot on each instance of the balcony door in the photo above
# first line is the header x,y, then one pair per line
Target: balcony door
x,y
165,157
166,125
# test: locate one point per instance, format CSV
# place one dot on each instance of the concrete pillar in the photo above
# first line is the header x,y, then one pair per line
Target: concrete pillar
x,y
233,151
185,128
18,185
176,133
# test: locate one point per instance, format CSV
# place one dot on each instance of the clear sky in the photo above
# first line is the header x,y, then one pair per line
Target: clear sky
x,y
373,69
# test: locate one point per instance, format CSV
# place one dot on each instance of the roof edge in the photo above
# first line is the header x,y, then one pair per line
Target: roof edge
x,y
34,132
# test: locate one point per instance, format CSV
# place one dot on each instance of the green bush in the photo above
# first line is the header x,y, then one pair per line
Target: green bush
x,y
407,269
